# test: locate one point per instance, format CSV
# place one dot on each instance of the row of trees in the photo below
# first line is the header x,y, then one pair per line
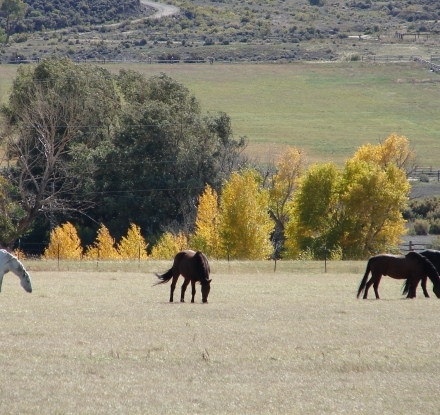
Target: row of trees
x,y
350,212
87,146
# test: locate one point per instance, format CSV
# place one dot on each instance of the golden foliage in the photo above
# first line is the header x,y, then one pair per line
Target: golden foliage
x,y
64,243
206,237
353,213
289,167
133,246
245,225
169,245
395,149
103,247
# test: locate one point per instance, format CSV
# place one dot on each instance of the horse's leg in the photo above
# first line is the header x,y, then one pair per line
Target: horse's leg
x,y
369,284
173,286
376,286
193,290
425,291
1,281
412,289
184,285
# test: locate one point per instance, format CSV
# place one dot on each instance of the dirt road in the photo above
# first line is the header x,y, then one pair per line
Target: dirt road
x,y
162,9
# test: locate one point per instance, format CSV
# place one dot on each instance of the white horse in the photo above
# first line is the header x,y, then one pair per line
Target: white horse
x,y
9,262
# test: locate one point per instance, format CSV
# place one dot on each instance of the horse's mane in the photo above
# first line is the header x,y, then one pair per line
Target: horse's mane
x,y
201,265
428,267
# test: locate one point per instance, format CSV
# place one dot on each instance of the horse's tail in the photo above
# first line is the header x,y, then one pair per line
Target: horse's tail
x,y
164,278
364,280
405,287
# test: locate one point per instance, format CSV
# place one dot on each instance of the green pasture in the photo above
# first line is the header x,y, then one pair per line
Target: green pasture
x,y
102,340
326,109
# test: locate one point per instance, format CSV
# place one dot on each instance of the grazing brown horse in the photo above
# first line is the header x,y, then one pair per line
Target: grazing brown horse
x,y
434,257
194,267
412,267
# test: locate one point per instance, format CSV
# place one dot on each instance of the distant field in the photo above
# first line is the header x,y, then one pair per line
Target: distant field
x,y
292,342
327,109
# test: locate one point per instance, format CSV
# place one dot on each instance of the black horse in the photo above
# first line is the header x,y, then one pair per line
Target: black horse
x,y
194,267
434,258
412,267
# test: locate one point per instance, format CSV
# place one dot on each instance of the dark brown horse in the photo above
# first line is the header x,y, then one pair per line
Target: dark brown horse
x,y
194,267
412,267
434,257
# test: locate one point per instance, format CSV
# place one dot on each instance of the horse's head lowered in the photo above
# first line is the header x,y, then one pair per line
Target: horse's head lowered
x,y
206,287
25,281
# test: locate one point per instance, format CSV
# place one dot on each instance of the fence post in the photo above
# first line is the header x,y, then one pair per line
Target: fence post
x,y
410,246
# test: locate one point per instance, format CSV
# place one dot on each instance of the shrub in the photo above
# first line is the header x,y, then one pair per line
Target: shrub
x,y
424,178
421,227
434,229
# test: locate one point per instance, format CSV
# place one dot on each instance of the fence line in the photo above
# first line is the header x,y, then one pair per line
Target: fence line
x,y
433,172
411,246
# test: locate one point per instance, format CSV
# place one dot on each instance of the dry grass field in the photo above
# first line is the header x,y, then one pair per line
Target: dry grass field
x,y
102,340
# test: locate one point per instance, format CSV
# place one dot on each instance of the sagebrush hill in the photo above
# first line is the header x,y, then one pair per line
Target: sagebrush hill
x,y
251,30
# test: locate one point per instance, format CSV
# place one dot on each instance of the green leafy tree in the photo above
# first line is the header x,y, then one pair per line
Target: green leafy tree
x,y
64,243
167,152
11,9
206,237
9,209
245,224
314,212
133,245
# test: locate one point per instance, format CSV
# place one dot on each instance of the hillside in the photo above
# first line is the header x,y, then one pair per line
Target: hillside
x,y
251,30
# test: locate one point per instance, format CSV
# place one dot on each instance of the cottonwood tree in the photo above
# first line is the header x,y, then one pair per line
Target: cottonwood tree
x,y
58,115
245,224
354,212
282,185
314,212
395,149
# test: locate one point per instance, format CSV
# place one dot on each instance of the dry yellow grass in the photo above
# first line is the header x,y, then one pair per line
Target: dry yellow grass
x,y
294,342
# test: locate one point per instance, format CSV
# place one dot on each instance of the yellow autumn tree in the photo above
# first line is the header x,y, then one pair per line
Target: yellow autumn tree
x,y
64,243
395,150
284,182
169,245
133,246
206,237
103,247
373,198
354,212
245,225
